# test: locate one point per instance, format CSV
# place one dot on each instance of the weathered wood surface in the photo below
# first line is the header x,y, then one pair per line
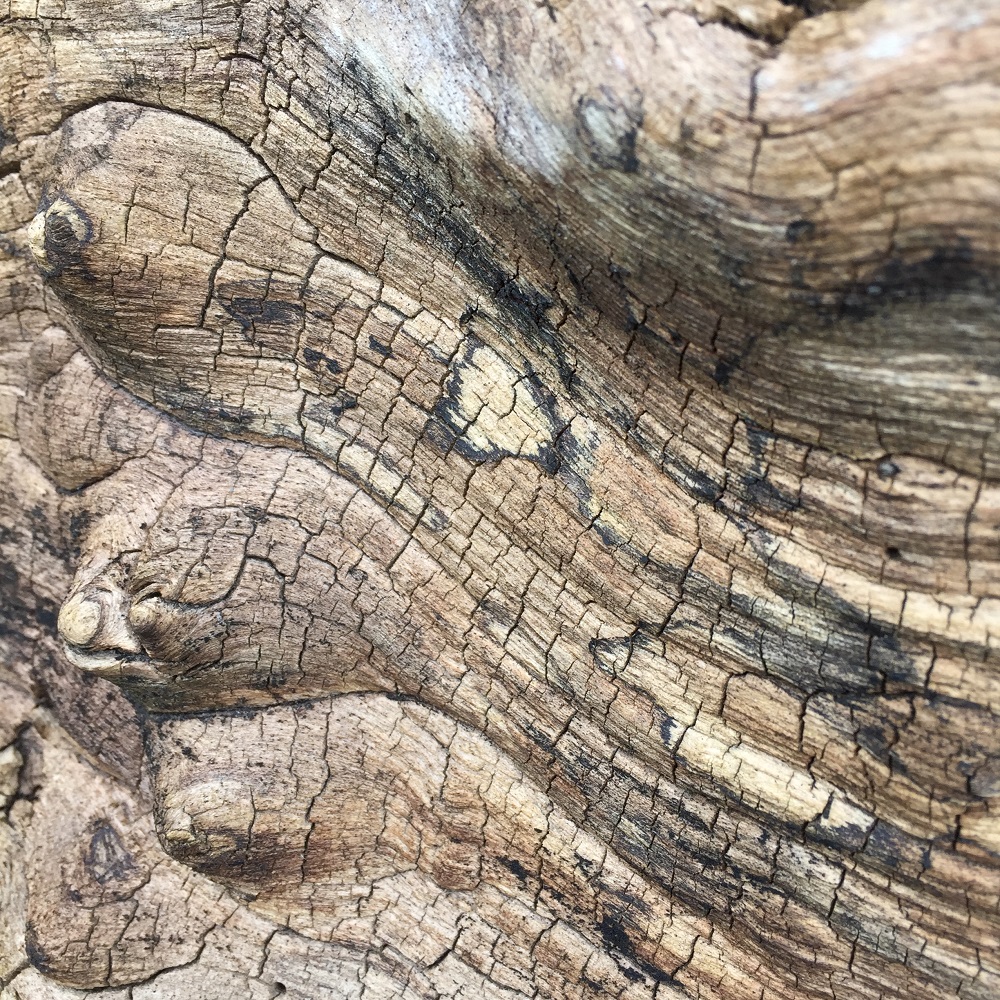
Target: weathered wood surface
x,y
499,500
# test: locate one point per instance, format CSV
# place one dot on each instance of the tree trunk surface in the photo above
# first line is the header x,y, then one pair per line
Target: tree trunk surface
x,y
499,499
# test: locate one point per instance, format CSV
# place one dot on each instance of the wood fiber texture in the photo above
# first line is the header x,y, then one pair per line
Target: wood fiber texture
x,y
499,500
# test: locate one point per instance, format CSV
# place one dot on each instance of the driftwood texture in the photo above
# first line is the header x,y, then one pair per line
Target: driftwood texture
x,y
499,499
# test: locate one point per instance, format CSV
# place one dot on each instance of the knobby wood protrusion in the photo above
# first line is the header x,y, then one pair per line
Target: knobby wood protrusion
x,y
499,500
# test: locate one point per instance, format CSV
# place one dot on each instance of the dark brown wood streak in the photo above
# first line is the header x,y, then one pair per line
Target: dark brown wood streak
x,y
499,500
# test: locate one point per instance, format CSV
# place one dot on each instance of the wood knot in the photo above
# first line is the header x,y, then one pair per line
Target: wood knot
x,y
80,620
57,235
93,621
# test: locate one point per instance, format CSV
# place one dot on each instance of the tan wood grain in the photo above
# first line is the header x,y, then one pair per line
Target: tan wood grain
x,y
499,500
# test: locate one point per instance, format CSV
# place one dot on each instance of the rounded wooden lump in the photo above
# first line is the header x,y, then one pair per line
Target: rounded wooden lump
x,y
500,500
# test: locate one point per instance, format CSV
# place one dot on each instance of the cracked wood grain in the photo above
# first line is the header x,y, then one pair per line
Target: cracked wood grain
x,y
499,500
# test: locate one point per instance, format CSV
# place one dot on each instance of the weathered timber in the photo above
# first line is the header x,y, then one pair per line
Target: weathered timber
x,y
499,500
